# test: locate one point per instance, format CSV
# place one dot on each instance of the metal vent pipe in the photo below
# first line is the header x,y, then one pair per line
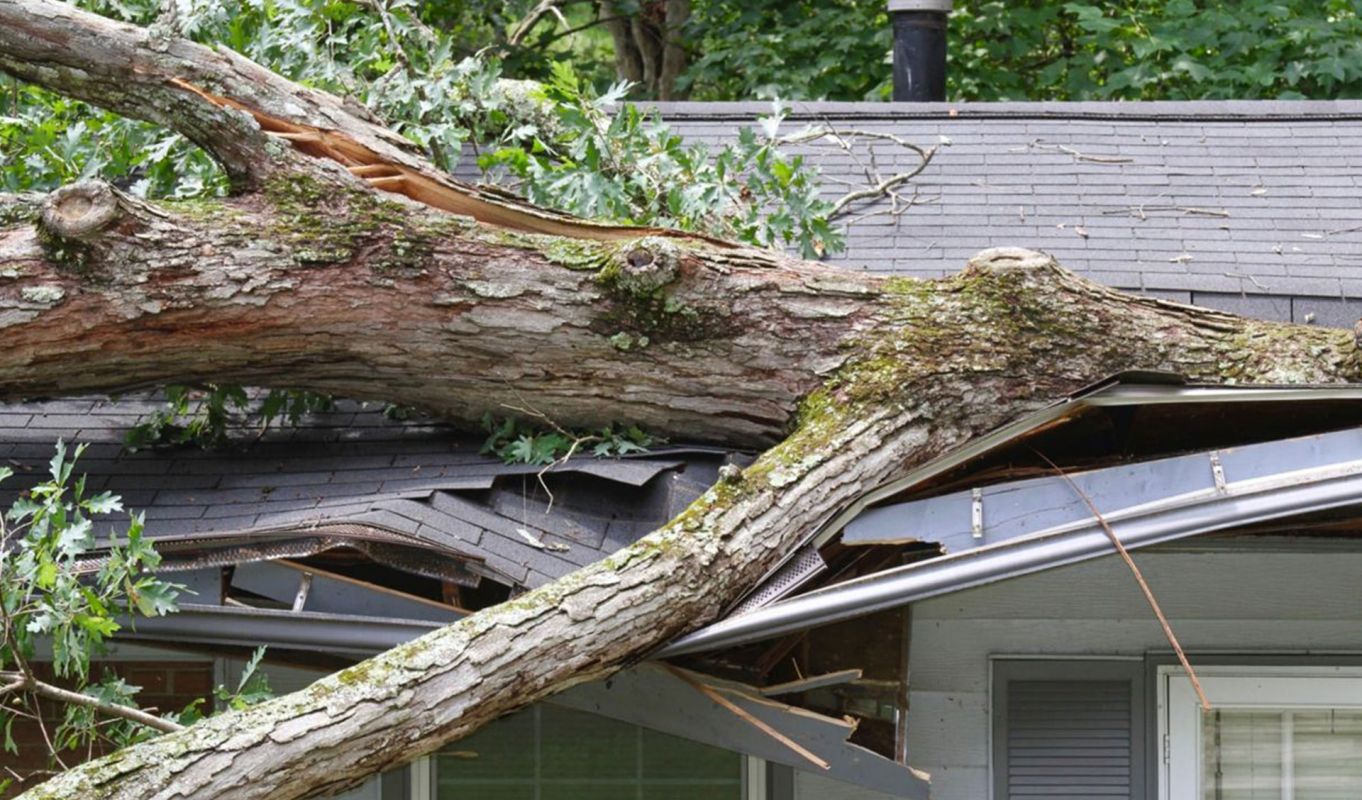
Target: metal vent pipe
x,y
919,49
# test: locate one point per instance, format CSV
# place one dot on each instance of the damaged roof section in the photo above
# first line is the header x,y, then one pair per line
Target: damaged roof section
x,y
1160,461
404,520
739,717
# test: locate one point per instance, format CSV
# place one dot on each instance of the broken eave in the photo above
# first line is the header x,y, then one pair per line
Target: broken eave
x,y
1012,529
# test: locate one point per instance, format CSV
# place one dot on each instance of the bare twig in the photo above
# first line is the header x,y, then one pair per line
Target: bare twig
x,y
47,739
576,441
1245,277
1139,211
545,8
877,185
1139,578
1077,156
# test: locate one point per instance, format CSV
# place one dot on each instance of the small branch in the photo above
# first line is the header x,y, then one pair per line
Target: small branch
x,y
1139,211
584,26
1077,156
878,186
577,441
47,690
1139,578
545,8
381,6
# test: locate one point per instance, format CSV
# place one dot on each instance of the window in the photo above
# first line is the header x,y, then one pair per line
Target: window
x,y
553,753
1271,734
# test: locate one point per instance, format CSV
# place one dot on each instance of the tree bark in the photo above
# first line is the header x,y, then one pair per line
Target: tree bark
x,y
347,264
649,45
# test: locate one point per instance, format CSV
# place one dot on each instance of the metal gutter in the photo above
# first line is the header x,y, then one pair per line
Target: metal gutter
x,y
251,627
1123,389
1107,395
984,515
1236,504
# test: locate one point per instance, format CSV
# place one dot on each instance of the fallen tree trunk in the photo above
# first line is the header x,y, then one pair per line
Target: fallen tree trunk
x,y
347,264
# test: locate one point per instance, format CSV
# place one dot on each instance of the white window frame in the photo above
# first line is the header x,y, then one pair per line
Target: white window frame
x,y
1179,711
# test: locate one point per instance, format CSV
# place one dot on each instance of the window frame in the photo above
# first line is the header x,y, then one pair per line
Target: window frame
x,y
1179,726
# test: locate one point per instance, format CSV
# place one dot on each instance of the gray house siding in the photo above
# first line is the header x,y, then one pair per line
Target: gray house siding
x,y
1284,602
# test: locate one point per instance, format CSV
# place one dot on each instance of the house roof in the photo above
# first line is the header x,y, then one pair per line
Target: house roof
x,y
1249,206
352,471
1002,528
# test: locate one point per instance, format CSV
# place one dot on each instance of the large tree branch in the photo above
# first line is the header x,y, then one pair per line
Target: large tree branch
x,y
946,362
239,112
320,279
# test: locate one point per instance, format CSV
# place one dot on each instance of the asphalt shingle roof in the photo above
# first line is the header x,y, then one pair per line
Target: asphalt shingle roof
x,y
354,466
1252,207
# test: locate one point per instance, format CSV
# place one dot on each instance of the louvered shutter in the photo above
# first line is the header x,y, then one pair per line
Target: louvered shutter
x,y
1069,737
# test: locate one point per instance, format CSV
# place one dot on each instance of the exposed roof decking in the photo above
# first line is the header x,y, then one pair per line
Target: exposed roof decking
x,y
1286,176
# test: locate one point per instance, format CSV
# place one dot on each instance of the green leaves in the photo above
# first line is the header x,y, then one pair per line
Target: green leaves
x,y
630,167
1163,50
203,417
52,587
251,688
515,441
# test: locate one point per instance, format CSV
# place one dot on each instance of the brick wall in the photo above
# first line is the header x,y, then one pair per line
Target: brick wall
x,y
166,686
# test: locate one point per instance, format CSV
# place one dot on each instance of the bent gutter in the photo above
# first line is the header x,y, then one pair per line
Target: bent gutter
x,y
1239,503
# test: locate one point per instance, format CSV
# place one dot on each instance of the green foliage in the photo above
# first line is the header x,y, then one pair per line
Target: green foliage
x,y
516,441
47,140
800,49
53,592
1156,50
563,145
629,166
251,688
202,418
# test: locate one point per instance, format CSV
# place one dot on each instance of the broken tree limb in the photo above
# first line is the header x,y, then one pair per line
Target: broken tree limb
x,y
31,685
310,278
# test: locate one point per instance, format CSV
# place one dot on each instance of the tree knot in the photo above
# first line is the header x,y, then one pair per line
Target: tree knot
x,y
646,265
82,210
1007,259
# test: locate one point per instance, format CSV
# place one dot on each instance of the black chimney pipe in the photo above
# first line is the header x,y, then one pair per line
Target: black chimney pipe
x,y
919,49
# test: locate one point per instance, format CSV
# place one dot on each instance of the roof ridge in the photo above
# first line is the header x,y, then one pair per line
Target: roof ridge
x,y
1135,111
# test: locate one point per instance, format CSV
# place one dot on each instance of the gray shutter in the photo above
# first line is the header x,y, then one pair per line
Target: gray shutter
x,y
1069,734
